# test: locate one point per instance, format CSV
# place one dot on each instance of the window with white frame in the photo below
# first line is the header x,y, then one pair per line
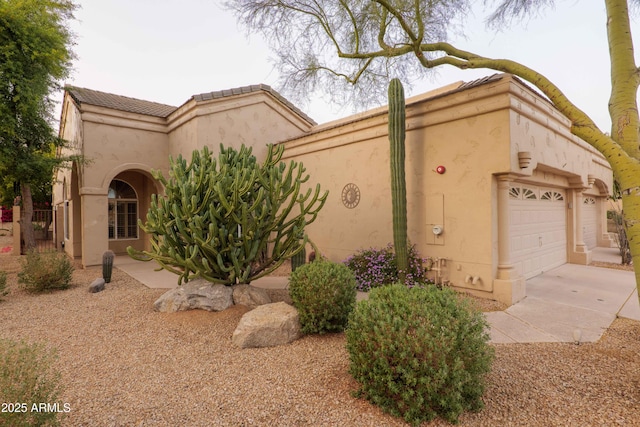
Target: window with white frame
x,y
123,211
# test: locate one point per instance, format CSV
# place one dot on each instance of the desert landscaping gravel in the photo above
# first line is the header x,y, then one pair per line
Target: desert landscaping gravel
x,y
123,364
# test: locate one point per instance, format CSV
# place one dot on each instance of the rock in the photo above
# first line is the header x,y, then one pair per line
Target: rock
x,y
268,325
196,294
250,296
97,286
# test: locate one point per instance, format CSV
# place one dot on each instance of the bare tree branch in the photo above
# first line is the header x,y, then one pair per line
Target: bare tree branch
x,y
515,10
327,43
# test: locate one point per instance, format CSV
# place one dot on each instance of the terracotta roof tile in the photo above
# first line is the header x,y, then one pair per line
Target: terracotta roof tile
x,y
132,105
479,82
118,102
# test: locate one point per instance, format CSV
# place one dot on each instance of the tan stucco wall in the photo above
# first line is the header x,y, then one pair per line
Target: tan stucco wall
x,y
476,135
72,131
456,132
254,119
538,128
114,147
130,146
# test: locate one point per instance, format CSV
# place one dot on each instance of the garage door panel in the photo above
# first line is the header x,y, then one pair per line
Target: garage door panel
x,y
537,229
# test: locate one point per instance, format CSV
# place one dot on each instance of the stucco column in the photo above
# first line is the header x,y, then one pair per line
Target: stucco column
x,y
95,236
604,238
580,254
579,229
505,268
508,286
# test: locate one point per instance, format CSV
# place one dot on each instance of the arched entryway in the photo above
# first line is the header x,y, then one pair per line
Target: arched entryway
x,y
128,199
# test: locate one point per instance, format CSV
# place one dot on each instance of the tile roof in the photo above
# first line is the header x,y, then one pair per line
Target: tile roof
x,y
481,81
132,105
118,102
249,89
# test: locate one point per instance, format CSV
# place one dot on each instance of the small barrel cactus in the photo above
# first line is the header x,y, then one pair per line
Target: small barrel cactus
x,y
107,265
298,259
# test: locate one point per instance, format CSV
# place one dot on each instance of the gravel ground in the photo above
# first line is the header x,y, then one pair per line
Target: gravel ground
x,y
123,364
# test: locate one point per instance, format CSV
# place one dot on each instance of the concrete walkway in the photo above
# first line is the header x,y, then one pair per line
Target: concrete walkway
x,y
571,299
144,272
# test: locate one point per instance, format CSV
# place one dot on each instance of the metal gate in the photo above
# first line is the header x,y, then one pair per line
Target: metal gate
x,y
42,222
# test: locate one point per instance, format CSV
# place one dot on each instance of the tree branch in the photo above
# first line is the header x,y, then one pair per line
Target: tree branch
x,y
581,123
396,13
383,30
623,107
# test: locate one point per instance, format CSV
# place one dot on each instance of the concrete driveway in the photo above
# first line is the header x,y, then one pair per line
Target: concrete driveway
x,y
571,299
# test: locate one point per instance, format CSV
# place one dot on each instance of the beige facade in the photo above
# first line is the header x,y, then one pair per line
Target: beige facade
x,y
123,140
490,164
497,188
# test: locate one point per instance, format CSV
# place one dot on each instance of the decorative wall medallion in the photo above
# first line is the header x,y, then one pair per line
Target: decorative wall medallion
x,y
350,195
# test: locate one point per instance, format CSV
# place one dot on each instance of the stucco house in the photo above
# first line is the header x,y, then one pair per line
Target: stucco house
x,y
498,189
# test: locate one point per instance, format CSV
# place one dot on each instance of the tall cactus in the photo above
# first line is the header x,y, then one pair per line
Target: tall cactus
x,y
219,217
398,184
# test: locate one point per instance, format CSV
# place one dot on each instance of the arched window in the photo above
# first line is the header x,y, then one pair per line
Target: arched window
x,y
123,211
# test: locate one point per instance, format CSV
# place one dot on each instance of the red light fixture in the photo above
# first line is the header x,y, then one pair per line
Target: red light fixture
x,y
441,169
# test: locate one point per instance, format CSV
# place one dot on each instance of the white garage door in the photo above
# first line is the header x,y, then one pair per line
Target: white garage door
x,y
538,223
590,222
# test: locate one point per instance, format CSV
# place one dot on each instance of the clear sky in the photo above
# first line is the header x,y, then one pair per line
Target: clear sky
x,y
168,50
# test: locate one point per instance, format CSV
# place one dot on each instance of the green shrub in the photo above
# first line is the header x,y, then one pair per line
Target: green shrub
x,y
419,353
3,284
45,272
27,376
324,293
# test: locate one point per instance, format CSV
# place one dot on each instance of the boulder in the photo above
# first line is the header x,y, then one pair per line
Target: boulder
x,y
196,294
96,286
250,296
268,325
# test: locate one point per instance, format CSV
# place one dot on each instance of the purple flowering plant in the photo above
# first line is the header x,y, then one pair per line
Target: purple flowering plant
x,y
375,267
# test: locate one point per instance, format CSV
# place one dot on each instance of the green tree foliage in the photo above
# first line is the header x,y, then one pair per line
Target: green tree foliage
x,y
324,43
229,220
35,56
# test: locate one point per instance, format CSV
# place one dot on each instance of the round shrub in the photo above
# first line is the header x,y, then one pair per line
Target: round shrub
x,y
377,267
45,272
419,352
3,284
324,293
27,377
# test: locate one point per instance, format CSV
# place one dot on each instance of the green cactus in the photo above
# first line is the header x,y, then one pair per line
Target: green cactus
x,y
229,220
298,259
107,265
398,184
